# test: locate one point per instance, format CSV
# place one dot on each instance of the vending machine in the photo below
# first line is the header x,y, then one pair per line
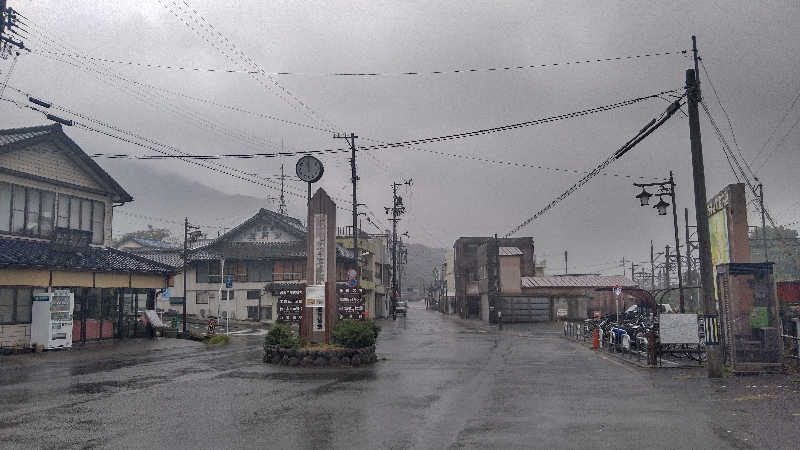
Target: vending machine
x,y
51,319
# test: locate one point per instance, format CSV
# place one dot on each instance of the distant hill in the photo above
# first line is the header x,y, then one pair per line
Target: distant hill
x,y
163,200
421,262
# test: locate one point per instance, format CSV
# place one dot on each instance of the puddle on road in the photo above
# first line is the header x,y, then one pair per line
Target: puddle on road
x,y
100,387
107,365
322,375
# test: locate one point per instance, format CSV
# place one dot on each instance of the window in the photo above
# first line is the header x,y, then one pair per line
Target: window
x,y
26,210
201,298
207,272
259,271
86,215
252,312
98,222
266,312
175,300
74,212
63,211
18,210
227,294
32,212
253,295
47,213
5,207
16,304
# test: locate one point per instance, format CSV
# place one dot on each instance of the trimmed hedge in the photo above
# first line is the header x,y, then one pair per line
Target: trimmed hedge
x,y
356,333
283,336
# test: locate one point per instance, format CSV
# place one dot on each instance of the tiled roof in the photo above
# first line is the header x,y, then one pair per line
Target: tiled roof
x,y
152,243
20,134
169,257
271,250
509,251
43,254
591,281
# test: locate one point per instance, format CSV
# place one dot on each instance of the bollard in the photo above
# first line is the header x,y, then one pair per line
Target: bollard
x,y
596,339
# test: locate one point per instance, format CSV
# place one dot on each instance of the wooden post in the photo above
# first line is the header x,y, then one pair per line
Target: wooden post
x,y
320,266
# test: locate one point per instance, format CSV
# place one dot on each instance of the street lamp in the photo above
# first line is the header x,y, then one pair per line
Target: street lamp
x,y
644,197
665,188
661,206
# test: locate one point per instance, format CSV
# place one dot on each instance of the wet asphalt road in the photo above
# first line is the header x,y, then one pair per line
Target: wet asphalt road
x,y
444,383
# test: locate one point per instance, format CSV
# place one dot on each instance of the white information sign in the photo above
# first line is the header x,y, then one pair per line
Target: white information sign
x,y
561,312
678,329
315,296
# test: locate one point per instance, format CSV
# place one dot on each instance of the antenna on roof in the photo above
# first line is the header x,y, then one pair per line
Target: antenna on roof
x,y
282,207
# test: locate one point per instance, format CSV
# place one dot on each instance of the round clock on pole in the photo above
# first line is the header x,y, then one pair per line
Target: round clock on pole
x,y
309,169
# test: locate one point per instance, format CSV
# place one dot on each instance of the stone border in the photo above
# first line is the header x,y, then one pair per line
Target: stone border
x,y
348,357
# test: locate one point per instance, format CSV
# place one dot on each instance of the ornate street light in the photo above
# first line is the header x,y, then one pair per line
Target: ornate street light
x,y
666,187
661,206
644,197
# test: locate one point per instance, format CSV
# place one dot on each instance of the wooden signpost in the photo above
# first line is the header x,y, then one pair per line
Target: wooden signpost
x,y
319,310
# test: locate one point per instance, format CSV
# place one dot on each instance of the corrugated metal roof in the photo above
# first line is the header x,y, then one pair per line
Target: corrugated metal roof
x,y
510,251
593,281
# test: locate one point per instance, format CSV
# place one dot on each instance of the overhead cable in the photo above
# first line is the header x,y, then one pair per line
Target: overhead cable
x,y
407,143
356,74
643,133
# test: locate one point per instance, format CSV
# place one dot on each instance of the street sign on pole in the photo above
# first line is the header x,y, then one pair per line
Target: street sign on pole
x,y
617,294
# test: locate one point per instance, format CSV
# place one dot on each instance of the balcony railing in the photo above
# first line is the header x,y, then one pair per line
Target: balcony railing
x,y
286,276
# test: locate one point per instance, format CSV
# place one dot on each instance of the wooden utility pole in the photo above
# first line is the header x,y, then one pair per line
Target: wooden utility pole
x,y
693,95
566,269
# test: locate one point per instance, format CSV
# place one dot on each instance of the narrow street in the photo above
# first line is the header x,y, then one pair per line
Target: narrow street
x,y
442,383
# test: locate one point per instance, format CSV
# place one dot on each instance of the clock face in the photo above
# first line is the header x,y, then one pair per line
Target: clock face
x,y
309,169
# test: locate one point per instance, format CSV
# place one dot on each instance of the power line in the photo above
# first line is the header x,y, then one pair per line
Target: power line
x,y
728,118
356,74
780,122
643,133
413,142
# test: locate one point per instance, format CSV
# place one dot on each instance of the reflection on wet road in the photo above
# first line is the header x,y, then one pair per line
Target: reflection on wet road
x,y
441,383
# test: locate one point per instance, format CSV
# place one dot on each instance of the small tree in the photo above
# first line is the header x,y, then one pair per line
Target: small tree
x,y
283,336
356,333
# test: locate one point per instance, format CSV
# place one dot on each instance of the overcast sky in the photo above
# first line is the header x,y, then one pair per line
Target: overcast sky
x,y
750,49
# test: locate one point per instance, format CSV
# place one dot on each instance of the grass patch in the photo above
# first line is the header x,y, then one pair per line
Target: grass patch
x,y
219,339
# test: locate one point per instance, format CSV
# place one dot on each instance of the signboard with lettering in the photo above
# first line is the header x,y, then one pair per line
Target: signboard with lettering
x,y
320,249
351,303
290,305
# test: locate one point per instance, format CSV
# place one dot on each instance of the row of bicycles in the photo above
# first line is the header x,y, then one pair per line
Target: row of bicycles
x,y
636,331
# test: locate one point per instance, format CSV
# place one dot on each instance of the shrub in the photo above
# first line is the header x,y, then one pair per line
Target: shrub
x,y
355,333
283,336
219,339
376,329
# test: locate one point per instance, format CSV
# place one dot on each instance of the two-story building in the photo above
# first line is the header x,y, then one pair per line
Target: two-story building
x,y
56,209
375,263
240,273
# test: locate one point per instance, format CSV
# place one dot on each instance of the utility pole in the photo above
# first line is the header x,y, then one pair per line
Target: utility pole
x,y
397,209
185,257
677,243
763,220
623,266
713,352
652,268
689,273
633,272
666,268
351,139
